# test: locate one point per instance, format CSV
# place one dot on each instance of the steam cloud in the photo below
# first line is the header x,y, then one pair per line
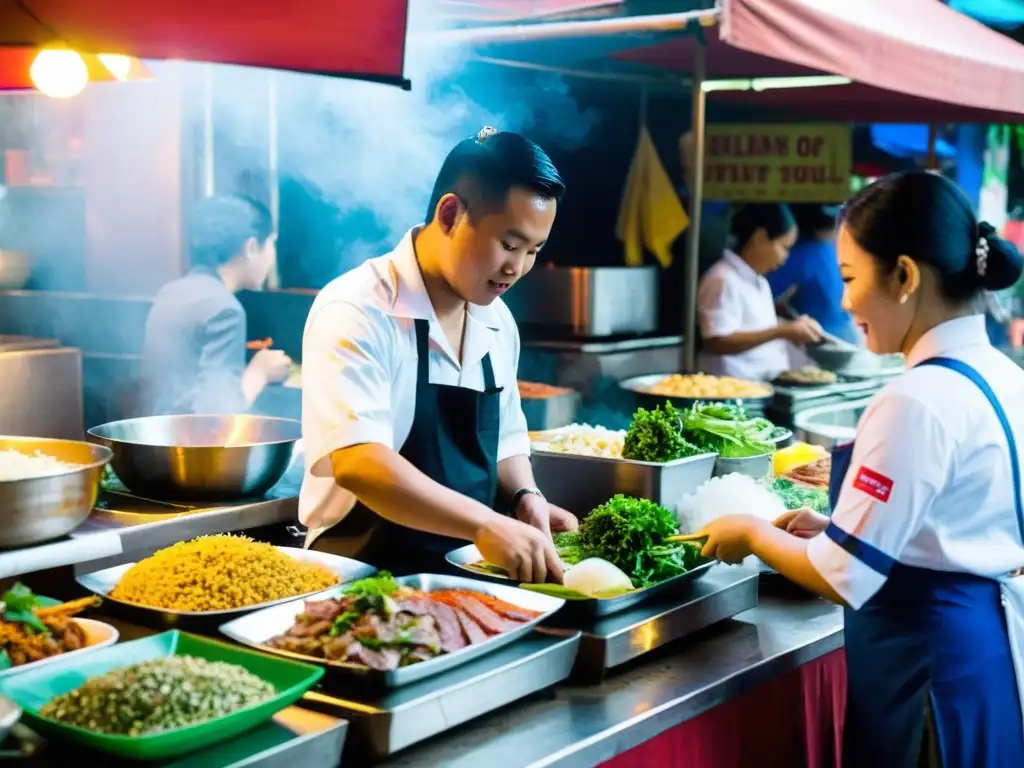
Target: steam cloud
x,y
371,149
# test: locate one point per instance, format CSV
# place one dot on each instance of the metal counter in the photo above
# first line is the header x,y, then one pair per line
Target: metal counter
x,y
585,726
123,528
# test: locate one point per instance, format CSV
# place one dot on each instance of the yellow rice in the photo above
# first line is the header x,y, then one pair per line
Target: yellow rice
x,y
217,573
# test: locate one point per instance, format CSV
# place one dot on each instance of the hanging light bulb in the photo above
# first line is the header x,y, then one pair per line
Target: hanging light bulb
x,y
119,66
59,73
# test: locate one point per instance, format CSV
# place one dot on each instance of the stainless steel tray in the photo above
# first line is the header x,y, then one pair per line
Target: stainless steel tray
x,y
544,413
464,556
103,582
393,720
757,467
641,386
257,628
582,483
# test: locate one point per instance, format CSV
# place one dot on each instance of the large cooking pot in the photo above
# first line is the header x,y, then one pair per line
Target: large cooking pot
x,y
207,458
39,509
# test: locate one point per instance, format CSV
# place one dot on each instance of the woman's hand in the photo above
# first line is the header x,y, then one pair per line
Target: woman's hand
x,y
804,523
729,538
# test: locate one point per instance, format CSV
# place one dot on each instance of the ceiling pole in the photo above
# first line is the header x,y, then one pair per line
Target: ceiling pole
x,y
691,265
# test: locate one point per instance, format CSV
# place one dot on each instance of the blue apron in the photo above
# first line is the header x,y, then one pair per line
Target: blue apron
x,y
931,637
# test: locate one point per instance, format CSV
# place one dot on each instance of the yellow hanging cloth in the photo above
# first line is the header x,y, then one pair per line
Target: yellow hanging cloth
x,y
650,215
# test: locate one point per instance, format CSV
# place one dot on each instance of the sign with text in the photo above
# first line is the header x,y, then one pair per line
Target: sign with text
x,y
778,163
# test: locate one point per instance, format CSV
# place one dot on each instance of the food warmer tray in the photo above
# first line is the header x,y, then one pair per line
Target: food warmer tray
x,y
582,483
641,386
550,412
611,641
257,628
593,608
103,582
385,723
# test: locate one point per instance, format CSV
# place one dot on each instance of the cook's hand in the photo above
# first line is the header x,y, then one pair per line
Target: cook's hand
x,y
272,364
524,551
804,523
544,516
729,537
803,330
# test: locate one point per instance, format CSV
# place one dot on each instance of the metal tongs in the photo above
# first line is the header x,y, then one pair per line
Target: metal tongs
x,y
786,310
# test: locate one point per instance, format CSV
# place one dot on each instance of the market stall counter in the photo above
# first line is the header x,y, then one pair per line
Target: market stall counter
x,y
769,682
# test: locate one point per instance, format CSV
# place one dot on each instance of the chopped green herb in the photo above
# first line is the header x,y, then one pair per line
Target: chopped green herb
x,y
657,436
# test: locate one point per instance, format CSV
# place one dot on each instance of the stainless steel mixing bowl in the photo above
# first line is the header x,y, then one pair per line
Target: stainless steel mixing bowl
x,y
207,458
38,509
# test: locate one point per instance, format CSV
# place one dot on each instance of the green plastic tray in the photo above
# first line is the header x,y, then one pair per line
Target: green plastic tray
x,y
33,688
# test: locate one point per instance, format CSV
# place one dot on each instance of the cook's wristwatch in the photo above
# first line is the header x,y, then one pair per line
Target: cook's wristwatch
x,y
518,496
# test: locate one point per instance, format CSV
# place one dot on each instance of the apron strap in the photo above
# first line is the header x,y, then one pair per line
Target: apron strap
x,y
422,352
489,385
423,358
979,381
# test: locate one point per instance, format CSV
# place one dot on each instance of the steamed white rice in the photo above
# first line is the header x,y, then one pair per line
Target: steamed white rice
x,y
15,465
733,494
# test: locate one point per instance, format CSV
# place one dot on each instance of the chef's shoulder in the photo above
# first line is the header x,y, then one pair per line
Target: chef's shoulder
x,y
353,310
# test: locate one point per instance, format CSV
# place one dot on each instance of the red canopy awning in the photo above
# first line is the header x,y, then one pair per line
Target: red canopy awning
x,y
911,60
362,39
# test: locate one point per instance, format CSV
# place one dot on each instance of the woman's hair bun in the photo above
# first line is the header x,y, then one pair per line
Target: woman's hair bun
x,y
1003,264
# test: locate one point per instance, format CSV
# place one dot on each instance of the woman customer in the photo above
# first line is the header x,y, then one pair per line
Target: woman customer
x,y
742,335
927,517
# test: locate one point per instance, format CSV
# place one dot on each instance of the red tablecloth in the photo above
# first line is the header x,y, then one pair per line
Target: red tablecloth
x,y
795,720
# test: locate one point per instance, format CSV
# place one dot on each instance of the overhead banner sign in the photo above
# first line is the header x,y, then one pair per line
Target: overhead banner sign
x,y
778,163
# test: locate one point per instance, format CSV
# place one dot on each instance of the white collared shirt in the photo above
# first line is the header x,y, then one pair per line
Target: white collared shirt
x,y
733,298
930,484
359,371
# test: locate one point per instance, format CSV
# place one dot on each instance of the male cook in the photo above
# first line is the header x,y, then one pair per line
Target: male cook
x,y
413,429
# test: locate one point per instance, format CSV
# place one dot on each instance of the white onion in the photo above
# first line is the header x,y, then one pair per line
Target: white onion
x,y
594,576
15,465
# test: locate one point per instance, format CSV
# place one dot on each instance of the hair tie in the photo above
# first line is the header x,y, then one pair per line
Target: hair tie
x,y
981,248
981,256
485,133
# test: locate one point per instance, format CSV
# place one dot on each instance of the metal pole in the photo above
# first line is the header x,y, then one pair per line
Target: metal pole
x,y
208,173
691,265
274,278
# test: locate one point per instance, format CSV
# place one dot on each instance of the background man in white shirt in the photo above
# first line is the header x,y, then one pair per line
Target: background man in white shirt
x,y
412,424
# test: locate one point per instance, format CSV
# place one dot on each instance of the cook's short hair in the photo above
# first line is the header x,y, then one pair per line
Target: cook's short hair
x,y
482,169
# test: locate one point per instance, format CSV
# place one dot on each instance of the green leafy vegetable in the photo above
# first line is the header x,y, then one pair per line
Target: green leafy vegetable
x,y
568,547
5,660
727,430
343,623
657,436
19,598
381,585
796,496
630,534
19,602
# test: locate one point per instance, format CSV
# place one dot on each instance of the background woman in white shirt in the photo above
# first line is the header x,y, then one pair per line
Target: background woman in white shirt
x,y
928,522
742,334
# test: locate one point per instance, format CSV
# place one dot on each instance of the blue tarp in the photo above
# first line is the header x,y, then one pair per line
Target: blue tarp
x,y
994,13
901,140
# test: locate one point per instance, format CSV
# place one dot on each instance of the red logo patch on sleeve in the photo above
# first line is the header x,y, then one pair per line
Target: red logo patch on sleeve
x,y
873,484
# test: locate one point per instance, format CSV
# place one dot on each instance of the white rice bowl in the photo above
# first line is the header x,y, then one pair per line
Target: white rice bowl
x,y
15,465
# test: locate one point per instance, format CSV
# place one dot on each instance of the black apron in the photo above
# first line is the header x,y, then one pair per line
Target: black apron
x,y
453,441
930,678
